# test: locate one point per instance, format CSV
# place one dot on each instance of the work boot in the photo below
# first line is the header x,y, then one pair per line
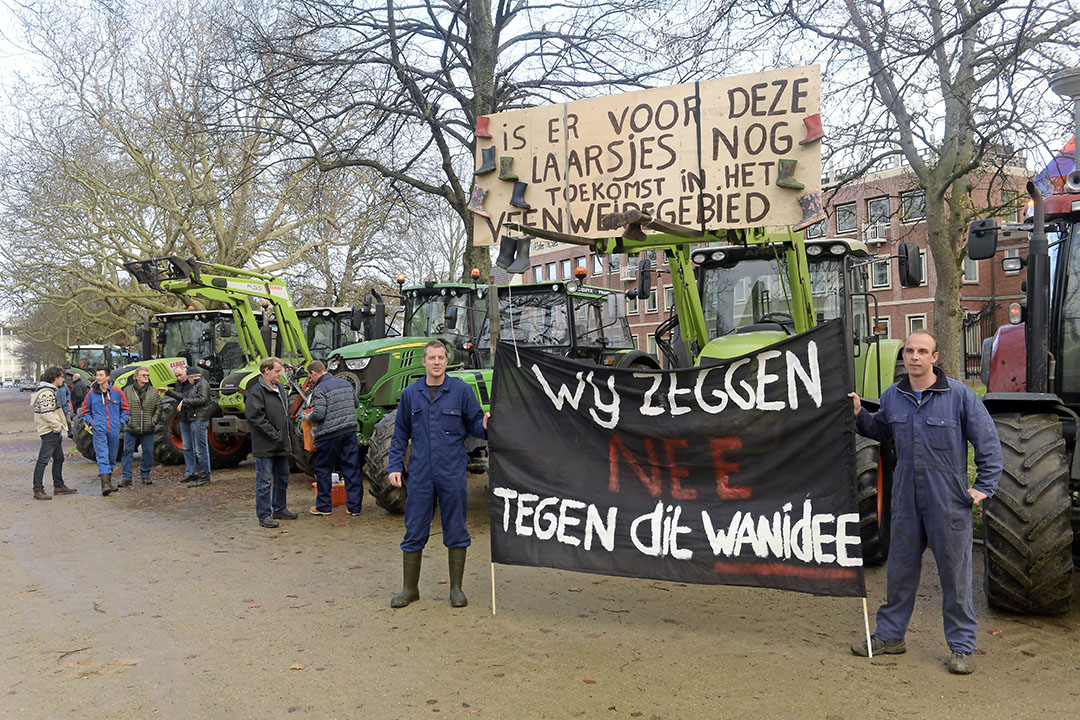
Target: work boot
x,y
813,129
40,494
482,123
456,557
487,161
961,663
64,490
518,198
146,480
189,479
106,484
476,201
880,647
410,567
812,210
506,172
200,481
786,174
126,482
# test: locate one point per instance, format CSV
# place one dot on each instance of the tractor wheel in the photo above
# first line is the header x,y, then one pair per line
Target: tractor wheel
x,y
84,439
874,487
388,497
227,450
168,444
1028,535
301,460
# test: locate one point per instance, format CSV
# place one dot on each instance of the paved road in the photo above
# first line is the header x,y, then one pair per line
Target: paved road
x,y
167,602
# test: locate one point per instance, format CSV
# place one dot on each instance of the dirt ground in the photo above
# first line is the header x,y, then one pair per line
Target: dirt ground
x,y
162,601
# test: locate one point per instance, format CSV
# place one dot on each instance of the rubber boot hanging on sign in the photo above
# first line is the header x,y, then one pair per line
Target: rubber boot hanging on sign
x,y
482,126
521,256
507,248
786,175
487,161
476,202
813,129
812,210
506,172
518,198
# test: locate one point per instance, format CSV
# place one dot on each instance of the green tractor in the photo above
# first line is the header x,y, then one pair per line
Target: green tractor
x,y
327,328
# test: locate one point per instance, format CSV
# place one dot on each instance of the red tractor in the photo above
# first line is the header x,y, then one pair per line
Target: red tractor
x,y
1032,372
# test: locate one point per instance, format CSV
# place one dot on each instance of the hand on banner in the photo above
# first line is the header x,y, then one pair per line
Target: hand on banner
x,y
855,401
395,479
977,496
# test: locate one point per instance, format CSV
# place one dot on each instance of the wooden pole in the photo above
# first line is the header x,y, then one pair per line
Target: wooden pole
x,y
493,589
865,619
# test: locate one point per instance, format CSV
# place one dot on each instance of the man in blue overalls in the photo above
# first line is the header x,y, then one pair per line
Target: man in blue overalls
x,y
435,413
931,418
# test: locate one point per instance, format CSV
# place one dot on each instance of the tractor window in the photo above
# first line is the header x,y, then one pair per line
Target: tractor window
x,y
827,288
188,337
319,333
595,326
743,294
537,319
1070,320
88,358
429,316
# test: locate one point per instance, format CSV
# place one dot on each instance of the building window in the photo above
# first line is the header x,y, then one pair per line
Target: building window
x,y
597,264
613,263
1012,253
925,275
877,211
880,277
970,271
634,339
816,230
538,273
846,221
915,322
631,306
913,206
550,273
651,344
883,327
650,306
669,297
567,271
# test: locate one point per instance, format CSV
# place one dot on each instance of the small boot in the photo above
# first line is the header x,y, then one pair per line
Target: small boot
x,y
487,161
106,484
812,210
507,249
456,557
786,175
518,198
482,126
410,570
813,129
40,494
506,172
476,202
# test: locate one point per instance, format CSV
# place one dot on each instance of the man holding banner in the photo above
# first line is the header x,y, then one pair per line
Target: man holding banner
x,y
436,413
931,418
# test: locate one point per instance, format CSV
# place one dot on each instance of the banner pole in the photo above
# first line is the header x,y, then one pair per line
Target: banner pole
x,y
493,589
865,619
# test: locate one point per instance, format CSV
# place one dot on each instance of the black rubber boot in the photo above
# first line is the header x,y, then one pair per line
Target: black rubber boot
x,y
456,558
487,161
518,197
106,484
410,570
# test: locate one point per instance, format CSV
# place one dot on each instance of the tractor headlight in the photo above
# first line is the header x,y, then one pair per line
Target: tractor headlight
x,y
357,363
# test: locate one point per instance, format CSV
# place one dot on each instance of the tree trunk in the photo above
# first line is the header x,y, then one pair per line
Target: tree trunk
x,y
948,313
483,54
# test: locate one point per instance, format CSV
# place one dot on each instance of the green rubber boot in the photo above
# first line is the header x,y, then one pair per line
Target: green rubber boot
x,y
106,484
410,567
457,572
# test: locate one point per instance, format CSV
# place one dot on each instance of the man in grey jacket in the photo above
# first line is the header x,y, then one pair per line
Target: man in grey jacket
x,y
267,413
145,406
332,408
194,409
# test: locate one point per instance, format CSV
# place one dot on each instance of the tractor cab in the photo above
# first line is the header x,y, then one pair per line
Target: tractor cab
x,y
327,328
206,338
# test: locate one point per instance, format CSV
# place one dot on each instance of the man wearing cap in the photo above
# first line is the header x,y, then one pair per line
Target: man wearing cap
x,y
194,409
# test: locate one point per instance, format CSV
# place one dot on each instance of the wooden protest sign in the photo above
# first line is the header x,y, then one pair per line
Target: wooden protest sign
x,y
722,153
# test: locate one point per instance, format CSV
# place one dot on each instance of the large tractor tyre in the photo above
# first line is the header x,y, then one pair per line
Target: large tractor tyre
x,y
227,450
1028,535
388,497
168,443
873,476
84,441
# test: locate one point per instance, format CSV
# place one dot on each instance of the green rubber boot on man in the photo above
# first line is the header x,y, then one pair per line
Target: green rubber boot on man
x,y
410,570
456,558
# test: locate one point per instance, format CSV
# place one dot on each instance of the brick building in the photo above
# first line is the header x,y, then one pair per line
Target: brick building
x,y
882,208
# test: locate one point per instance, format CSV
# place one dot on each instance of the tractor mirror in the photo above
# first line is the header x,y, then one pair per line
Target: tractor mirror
x,y
982,239
614,309
644,278
450,316
377,319
909,264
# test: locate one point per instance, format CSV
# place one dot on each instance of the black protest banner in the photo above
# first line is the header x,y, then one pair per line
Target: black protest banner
x,y
736,473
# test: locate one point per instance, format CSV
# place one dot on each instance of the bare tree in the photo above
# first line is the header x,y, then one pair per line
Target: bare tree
x,y
397,87
957,86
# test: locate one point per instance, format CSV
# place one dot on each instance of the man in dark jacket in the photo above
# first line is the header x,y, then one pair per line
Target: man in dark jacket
x,y
79,389
436,413
267,412
332,408
194,409
105,410
931,418
145,406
